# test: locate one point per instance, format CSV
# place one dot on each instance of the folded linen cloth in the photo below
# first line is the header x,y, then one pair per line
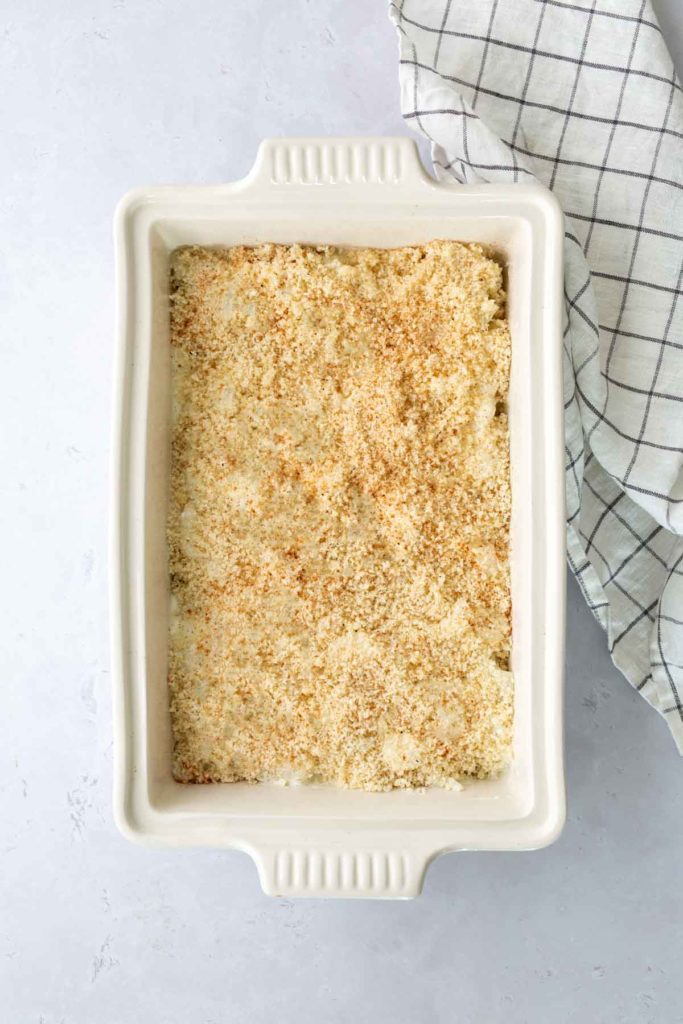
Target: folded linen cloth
x,y
583,96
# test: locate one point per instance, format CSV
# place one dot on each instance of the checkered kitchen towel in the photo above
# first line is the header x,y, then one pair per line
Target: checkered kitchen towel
x,y
583,96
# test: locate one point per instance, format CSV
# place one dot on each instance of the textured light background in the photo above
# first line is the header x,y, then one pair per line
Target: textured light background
x,y
98,96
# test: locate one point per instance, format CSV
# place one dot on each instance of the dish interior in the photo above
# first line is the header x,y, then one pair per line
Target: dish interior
x,y
510,796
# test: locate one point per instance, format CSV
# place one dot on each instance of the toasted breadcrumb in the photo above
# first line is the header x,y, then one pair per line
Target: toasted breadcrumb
x,y
339,515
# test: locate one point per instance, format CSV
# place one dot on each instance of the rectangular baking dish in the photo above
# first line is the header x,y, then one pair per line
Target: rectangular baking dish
x,y
316,840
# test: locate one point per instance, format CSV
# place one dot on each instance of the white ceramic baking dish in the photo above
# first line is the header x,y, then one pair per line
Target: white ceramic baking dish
x,y
317,840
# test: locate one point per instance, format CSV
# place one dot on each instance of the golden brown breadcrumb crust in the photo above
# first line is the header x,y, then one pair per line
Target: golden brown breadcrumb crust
x,y
339,515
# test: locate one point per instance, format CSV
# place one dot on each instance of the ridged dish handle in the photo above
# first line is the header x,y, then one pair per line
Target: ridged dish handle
x,y
320,871
287,163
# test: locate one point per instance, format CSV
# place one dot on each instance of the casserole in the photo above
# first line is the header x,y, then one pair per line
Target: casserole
x,y
316,840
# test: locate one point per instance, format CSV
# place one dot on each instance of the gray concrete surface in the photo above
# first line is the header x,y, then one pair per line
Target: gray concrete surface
x,y
99,95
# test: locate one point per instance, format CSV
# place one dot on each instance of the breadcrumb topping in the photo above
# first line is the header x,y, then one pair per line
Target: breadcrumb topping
x,y
339,515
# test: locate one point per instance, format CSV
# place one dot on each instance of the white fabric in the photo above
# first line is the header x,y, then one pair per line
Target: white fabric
x,y
584,97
